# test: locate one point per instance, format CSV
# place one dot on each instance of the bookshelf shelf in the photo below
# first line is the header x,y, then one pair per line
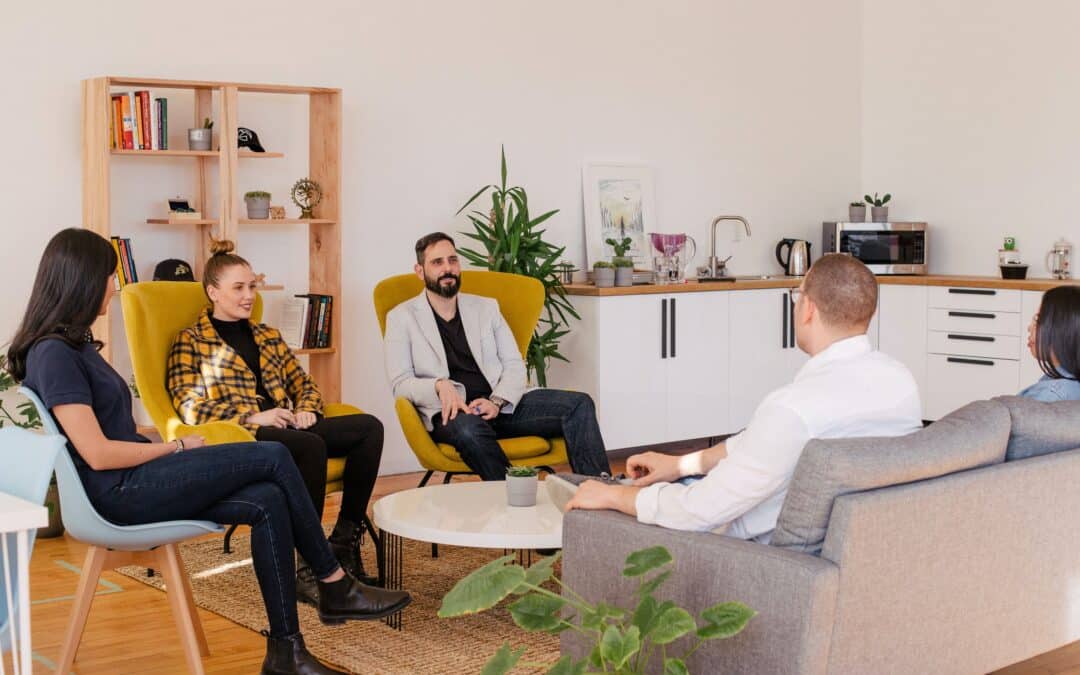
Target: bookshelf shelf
x,y
216,194
247,154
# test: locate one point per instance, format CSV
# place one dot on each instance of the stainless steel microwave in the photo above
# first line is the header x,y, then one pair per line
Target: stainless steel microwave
x,y
886,248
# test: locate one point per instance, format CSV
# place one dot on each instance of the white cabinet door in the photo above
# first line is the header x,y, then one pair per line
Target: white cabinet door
x,y
1030,371
955,381
697,365
762,357
902,330
631,382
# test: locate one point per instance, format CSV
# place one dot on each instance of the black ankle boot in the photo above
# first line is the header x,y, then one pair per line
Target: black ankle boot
x,y
307,591
348,599
345,542
289,656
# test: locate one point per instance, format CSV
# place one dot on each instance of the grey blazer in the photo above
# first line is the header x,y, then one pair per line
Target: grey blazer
x,y
415,357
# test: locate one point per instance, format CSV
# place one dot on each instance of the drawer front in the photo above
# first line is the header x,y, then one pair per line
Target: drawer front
x,y
972,321
955,381
969,344
988,299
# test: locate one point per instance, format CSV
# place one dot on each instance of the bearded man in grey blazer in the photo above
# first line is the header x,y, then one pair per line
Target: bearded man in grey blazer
x,y
453,355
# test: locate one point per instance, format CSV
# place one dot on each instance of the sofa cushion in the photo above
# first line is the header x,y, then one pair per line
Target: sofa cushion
x,y
973,436
1040,428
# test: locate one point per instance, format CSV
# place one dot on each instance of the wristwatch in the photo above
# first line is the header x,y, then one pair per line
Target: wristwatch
x,y
500,403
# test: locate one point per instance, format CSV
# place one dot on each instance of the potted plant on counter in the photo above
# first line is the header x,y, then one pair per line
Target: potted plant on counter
x,y
620,247
879,213
521,483
603,274
201,138
624,271
258,204
856,212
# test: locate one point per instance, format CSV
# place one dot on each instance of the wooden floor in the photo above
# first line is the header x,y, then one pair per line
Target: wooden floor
x,y
130,628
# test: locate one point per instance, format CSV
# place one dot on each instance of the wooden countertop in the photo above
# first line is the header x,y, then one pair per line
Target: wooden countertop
x,y
693,286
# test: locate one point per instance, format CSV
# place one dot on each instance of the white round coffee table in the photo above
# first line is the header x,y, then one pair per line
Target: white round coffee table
x,y
473,514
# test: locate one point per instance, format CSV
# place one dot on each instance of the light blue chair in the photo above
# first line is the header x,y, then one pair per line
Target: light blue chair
x,y
26,463
111,546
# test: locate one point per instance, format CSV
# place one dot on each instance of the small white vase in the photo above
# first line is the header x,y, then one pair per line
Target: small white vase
x,y
521,490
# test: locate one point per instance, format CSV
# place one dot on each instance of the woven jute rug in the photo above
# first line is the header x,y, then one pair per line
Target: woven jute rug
x,y
225,585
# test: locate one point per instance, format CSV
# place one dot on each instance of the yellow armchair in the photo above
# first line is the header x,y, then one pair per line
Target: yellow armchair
x,y
521,299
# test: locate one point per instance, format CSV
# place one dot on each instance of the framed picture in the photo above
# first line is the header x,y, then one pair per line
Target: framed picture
x,y
618,203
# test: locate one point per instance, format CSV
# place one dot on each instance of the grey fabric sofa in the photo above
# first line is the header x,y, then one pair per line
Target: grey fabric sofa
x,y
928,563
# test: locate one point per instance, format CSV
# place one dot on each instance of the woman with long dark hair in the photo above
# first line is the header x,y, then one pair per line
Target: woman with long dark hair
x,y
1054,341
130,480
228,367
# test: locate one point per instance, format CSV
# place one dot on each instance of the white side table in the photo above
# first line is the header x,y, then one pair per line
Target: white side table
x,y
18,517
473,514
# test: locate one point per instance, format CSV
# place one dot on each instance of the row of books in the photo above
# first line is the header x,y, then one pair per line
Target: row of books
x,y
306,320
138,122
125,263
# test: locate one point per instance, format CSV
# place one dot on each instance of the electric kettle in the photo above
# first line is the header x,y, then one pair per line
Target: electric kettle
x,y
797,261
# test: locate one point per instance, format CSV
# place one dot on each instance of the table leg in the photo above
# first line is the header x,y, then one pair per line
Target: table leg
x,y
393,553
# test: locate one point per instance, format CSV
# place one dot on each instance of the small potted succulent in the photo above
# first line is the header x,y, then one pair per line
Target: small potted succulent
x,y
258,204
521,483
856,212
624,271
879,213
620,247
603,274
201,138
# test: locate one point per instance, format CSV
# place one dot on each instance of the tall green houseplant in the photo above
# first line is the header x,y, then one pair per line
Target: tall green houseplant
x,y
512,243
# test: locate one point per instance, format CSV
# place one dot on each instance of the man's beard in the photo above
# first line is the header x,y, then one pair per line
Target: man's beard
x,y
436,286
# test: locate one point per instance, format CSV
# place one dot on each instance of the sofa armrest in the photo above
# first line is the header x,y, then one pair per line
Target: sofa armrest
x,y
794,594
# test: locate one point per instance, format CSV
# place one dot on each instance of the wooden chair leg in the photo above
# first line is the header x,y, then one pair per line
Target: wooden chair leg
x,y
176,590
84,596
204,648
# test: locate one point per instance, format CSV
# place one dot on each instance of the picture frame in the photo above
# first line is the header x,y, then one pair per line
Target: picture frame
x,y
618,198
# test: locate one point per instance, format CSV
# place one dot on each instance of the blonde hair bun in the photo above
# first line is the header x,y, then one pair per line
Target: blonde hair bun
x,y
221,246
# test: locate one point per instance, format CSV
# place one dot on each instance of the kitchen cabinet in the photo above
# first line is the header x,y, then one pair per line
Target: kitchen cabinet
x,y
1030,371
902,321
656,365
764,355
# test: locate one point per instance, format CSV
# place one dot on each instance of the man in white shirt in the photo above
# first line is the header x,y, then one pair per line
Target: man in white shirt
x,y
845,390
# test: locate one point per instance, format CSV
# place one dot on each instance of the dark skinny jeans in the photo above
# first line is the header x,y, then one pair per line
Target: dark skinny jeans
x,y
541,412
254,484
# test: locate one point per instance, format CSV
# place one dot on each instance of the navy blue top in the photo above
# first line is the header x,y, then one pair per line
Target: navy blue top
x,y
62,374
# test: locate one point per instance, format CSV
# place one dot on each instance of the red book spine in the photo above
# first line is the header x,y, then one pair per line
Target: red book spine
x,y
144,103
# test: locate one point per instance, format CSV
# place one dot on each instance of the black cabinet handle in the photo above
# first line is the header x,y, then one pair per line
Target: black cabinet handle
x,y
974,315
784,313
673,328
972,362
973,291
792,309
663,328
971,338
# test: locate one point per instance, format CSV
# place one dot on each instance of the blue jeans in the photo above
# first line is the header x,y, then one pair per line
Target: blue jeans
x,y
254,484
541,412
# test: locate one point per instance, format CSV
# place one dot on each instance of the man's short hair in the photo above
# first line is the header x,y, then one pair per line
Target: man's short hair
x,y
428,240
843,289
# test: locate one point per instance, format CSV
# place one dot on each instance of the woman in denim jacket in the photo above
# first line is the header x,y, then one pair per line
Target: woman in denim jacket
x,y
1054,341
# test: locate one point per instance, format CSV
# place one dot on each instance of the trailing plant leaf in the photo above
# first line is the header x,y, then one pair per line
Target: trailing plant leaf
x,y
503,661
647,587
536,612
616,647
567,666
542,570
483,588
675,667
674,623
724,620
645,560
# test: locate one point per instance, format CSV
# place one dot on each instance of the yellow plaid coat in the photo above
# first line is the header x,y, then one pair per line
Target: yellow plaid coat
x,y
209,382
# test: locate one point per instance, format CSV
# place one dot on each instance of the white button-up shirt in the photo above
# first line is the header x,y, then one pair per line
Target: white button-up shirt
x,y
847,390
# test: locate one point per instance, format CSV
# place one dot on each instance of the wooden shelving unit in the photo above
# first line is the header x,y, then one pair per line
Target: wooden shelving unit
x,y
223,217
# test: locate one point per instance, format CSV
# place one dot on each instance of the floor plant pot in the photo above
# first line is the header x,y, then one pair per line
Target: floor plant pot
x,y
521,490
55,528
603,277
880,214
258,208
856,214
199,139
624,276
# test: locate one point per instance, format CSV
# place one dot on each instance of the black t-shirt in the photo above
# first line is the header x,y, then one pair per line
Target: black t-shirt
x,y
460,359
238,335
62,374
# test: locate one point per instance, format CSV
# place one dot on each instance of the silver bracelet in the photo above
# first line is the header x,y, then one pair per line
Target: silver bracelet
x,y
179,446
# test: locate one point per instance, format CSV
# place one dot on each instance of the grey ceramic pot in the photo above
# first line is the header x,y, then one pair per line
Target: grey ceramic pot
x,y
521,490
880,214
624,276
603,277
258,208
856,214
200,139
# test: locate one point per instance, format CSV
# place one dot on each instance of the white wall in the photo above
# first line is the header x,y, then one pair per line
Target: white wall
x,y
748,108
970,117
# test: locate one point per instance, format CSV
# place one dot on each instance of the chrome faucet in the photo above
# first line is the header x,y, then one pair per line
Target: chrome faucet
x,y
716,267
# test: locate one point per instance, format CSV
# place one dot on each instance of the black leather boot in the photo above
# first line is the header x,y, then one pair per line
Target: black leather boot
x,y
345,542
348,599
307,591
289,656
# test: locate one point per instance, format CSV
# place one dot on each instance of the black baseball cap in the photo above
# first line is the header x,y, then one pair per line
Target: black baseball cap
x,y
173,270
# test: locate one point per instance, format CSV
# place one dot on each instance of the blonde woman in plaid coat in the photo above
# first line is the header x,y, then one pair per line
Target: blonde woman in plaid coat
x,y
226,367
